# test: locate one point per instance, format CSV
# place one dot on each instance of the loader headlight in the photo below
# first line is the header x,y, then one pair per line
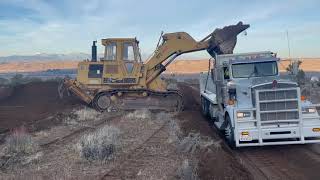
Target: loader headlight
x,y
243,114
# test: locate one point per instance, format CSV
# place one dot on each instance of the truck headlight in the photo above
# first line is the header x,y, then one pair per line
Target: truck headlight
x,y
310,110
243,114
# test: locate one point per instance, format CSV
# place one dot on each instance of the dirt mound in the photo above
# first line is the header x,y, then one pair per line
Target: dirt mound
x,y
32,102
5,92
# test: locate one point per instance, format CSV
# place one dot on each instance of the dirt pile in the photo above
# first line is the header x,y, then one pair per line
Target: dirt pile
x,y
5,92
32,102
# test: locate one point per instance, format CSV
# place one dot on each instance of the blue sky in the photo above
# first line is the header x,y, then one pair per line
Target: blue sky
x,y
67,26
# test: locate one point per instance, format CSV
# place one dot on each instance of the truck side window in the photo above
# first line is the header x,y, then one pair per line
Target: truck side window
x,y
128,52
226,73
111,51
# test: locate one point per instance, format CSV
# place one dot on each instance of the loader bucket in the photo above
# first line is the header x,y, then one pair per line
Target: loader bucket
x,y
61,89
224,40
70,86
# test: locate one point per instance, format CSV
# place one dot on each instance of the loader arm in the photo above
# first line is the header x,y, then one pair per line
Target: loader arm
x,y
220,41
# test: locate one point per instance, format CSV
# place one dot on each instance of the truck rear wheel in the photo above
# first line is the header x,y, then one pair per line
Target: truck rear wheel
x,y
229,132
204,107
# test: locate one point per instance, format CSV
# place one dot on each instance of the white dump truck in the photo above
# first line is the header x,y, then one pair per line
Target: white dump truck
x,y
246,98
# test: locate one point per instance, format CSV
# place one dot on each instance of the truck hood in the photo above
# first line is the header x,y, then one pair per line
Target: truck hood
x,y
245,87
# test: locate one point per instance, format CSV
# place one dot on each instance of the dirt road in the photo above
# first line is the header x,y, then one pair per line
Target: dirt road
x,y
35,103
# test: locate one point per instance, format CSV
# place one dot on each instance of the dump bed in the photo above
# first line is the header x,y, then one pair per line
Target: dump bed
x,y
207,87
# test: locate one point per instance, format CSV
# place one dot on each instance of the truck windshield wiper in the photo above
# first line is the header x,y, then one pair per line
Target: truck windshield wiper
x,y
253,72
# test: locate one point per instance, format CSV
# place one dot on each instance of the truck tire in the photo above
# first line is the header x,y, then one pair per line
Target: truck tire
x,y
204,107
229,133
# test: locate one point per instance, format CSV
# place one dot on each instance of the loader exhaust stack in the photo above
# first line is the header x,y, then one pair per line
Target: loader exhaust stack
x,y
94,52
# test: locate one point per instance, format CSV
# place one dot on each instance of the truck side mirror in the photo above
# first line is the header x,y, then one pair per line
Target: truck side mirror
x,y
226,73
212,74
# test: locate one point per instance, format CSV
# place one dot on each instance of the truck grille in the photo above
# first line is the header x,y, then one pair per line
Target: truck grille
x,y
278,106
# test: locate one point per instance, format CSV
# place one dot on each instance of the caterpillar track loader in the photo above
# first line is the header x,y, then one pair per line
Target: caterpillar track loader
x,y
121,80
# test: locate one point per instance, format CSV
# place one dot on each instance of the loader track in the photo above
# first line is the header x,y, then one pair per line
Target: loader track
x,y
129,164
150,93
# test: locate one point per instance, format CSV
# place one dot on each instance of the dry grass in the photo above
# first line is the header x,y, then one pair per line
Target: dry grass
x,y
99,145
87,114
139,114
20,142
188,170
19,149
194,142
87,155
175,133
82,115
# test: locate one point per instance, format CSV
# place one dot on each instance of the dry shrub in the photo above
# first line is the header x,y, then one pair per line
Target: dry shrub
x,y
194,142
20,142
87,114
139,114
175,133
99,145
163,116
82,115
187,171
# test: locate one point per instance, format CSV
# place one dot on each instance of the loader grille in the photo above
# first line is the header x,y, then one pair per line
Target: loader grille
x,y
278,106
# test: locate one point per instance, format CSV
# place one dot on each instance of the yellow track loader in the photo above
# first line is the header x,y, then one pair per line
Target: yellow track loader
x,y
121,80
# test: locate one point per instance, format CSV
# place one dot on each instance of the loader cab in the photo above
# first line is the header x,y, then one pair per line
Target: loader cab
x,y
120,65
122,61
121,49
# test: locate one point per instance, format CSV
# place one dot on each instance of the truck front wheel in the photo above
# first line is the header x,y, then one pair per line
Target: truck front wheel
x,y
229,132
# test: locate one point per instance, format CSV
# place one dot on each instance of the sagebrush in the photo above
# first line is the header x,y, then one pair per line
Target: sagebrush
x,y
99,145
20,142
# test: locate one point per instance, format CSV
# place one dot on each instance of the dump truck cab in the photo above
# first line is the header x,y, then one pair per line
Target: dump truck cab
x,y
247,98
120,64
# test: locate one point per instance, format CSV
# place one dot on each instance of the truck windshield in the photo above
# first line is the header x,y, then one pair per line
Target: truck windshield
x,y
256,69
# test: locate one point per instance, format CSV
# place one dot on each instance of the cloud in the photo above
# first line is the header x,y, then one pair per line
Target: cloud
x,y
64,26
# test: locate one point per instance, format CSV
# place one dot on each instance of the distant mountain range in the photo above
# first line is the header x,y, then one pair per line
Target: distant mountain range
x,y
45,57
53,57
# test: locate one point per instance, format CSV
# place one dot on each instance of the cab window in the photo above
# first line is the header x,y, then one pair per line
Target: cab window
x,y
111,51
95,71
128,52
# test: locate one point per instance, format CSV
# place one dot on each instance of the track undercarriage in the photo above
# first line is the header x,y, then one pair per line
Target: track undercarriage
x,y
124,99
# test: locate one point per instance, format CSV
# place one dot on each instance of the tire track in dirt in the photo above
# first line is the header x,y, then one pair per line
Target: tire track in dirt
x,y
277,162
82,130
130,163
220,163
